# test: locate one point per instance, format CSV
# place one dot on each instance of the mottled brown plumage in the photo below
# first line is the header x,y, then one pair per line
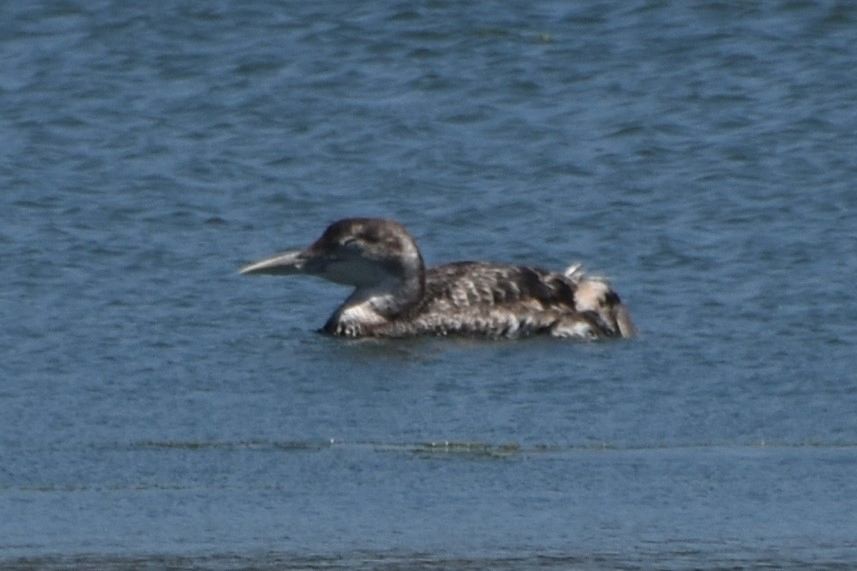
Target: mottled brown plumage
x,y
396,296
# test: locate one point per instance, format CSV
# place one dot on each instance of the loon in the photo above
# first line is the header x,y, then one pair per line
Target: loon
x,y
395,295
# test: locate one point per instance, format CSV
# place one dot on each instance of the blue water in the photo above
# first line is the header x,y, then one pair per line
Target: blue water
x,y
157,409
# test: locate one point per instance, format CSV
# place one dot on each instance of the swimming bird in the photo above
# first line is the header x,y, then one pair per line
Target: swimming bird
x,y
396,295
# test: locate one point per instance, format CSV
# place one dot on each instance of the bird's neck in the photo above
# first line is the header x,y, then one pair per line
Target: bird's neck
x,y
376,305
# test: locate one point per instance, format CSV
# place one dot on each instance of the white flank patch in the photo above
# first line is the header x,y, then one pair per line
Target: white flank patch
x,y
590,293
578,329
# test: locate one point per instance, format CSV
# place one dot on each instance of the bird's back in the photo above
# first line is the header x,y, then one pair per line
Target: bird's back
x,y
497,300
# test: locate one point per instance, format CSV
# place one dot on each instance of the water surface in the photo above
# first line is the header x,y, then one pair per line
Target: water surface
x,y
158,409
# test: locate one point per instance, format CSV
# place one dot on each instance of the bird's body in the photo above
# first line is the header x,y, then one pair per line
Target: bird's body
x,y
395,295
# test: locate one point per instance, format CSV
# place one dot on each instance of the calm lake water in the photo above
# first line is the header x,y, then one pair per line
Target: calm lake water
x,y
157,409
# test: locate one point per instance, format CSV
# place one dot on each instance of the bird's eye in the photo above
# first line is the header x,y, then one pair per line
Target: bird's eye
x,y
349,243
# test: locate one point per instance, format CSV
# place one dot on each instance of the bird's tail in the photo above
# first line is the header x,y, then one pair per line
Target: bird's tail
x,y
595,294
